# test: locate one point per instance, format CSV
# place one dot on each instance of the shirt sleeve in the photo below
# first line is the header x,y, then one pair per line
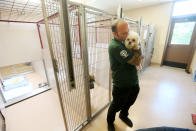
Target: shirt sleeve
x,y
122,55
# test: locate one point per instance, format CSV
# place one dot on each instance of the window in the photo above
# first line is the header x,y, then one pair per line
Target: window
x,y
182,33
184,8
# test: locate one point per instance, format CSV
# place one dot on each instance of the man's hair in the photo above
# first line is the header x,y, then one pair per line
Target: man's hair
x,y
115,24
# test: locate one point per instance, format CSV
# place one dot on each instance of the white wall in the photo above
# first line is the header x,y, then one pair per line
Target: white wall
x,y
47,58
19,43
158,16
38,67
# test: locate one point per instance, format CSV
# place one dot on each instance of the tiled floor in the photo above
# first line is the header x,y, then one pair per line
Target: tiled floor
x,y
39,113
167,98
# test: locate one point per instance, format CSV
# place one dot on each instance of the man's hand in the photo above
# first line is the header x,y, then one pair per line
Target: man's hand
x,y
138,55
136,59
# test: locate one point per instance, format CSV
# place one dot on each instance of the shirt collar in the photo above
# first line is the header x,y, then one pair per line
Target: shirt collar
x,y
121,42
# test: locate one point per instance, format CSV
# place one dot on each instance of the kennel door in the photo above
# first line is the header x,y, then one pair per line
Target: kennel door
x,y
74,102
99,35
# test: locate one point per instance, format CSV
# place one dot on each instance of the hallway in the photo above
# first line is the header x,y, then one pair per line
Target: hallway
x,y
167,98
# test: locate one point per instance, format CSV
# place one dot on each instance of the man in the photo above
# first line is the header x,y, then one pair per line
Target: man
x,y
124,74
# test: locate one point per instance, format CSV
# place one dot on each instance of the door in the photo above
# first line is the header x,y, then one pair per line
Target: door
x,y
87,57
179,46
74,99
99,35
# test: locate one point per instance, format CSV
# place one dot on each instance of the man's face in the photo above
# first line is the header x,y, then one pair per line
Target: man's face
x,y
122,31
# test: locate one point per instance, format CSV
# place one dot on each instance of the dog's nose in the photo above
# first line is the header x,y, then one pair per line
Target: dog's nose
x,y
129,42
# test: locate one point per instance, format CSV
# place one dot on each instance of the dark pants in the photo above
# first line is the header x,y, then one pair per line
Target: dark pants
x,y
123,99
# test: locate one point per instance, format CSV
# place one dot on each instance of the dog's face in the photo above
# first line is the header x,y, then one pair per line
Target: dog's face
x,y
132,41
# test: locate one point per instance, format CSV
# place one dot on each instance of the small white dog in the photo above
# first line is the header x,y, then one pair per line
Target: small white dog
x,y
132,43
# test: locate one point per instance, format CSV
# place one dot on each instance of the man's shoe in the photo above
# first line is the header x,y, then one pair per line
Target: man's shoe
x,y
126,120
111,127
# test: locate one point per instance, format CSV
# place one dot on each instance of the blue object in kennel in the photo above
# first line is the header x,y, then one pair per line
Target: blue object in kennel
x,y
195,76
164,129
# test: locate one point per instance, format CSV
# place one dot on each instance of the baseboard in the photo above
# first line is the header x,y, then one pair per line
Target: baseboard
x,y
26,96
155,64
175,64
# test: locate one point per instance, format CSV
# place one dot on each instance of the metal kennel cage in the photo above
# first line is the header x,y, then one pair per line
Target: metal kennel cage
x,y
90,35
2,122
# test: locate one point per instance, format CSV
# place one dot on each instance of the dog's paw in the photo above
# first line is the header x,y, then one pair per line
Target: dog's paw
x,y
141,57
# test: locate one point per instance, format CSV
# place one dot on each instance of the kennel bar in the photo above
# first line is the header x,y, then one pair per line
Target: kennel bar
x,y
90,7
130,20
110,79
54,64
85,59
40,38
17,21
98,38
64,18
1,93
139,25
2,121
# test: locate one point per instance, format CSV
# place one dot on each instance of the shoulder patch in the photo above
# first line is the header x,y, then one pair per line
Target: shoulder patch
x,y
124,53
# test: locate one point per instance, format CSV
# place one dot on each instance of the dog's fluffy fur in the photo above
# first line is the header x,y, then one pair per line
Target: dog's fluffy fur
x,y
132,41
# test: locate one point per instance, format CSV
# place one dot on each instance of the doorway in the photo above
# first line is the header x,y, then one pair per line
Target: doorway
x,y
181,39
179,44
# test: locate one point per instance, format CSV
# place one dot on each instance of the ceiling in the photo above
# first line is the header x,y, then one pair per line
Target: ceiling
x,y
30,10
20,10
112,5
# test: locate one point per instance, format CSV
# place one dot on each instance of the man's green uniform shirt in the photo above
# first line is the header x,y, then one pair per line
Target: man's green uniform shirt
x,y
123,74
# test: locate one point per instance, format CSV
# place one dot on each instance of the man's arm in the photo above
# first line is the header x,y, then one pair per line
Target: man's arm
x,y
125,56
134,61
